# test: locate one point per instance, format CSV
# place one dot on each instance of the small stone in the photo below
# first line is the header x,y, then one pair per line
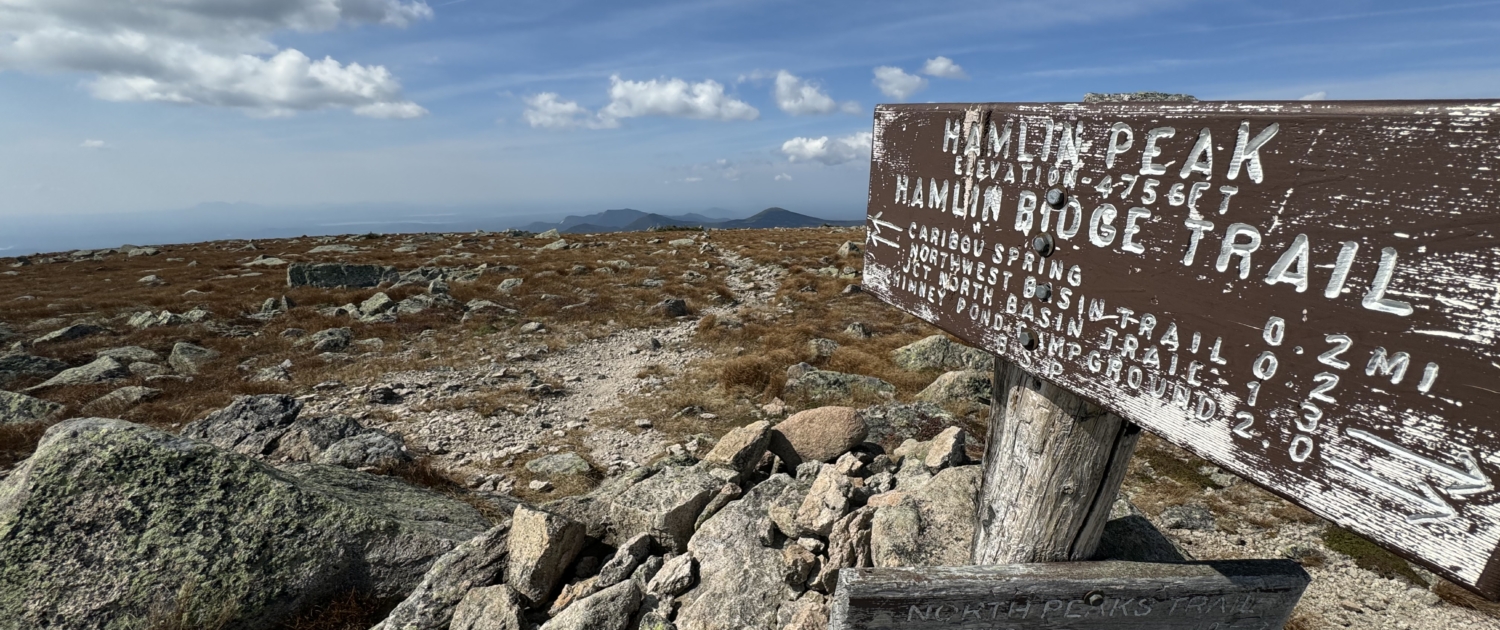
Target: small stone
x,y
559,465
822,348
799,564
1189,517
676,577
857,329
540,485
630,555
673,307
119,400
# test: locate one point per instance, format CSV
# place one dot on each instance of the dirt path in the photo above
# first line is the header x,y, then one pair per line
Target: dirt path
x,y
596,375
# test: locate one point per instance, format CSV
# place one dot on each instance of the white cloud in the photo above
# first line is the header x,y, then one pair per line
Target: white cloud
x,y
783,178
548,111
798,97
673,98
943,67
896,83
207,52
93,144
1315,96
828,151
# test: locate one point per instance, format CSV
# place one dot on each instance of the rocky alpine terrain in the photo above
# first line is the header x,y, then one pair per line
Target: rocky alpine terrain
x,y
670,429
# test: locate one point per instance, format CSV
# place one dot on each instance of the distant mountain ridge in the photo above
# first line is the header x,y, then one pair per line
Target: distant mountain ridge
x,y
629,220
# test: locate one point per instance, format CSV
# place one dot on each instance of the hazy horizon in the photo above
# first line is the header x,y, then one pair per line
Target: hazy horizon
x,y
25,236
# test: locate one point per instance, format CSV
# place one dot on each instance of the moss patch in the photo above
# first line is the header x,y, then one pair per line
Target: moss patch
x,y
1166,465
1369,556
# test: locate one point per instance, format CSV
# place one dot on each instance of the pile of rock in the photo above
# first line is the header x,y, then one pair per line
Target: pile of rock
x,y
380,308
147,319
279,512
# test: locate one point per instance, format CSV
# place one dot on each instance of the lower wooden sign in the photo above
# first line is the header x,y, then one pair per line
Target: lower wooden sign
x,y
1224,595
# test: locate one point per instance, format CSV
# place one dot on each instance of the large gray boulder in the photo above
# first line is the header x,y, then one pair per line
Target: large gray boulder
x,y
76,331
593,508
742,448
830,497
489,608
100,370
476,563
666,506
609,609
190,358
558,465
741,576
891,423
958,386
130,354
828,385
371,448
270,426
928,525
938,352
542,545
817,435
337,275
110,520
250,425
20,408
306,438
14,367
328,340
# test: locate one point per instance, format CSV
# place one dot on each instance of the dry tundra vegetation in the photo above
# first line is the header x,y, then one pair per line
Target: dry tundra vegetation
x,y
743,332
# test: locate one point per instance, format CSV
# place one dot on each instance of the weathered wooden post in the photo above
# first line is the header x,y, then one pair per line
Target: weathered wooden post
x,y
1303,293
1053,463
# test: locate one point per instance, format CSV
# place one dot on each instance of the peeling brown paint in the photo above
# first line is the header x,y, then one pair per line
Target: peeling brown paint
x,y
1305,293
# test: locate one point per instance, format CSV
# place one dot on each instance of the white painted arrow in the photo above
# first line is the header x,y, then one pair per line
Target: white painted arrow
x,y
1472,479
1428,498
875,236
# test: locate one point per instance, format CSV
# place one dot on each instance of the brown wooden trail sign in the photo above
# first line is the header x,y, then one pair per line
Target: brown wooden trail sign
x,y
1305,293
1228,595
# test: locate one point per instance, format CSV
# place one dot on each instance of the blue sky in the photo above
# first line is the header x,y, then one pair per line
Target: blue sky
x,y
577,106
